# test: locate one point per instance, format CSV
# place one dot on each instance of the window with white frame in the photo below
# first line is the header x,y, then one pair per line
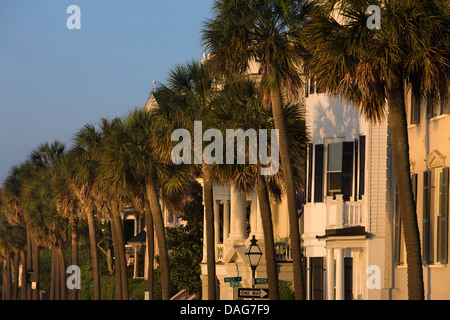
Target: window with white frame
x,y
334,168
340,166
435,215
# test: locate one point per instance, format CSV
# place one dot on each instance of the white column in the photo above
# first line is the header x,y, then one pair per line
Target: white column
x,y
136,265
216,222
284,218
258,232
204,238
241,223
340,290
226,220
200,181
232,212
238,204
330,274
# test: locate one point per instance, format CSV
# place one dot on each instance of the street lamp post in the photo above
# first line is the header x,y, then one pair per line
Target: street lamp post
x,y
253,254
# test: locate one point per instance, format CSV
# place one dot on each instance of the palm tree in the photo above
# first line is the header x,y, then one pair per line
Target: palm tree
x,y
13,207
68,206
113,197
130,157
12,242
16,245
264,32
370,68
45,223
83,172
49,228
239,106
185,99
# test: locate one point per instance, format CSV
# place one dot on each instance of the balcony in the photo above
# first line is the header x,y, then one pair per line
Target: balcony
x,y
340,214
283,252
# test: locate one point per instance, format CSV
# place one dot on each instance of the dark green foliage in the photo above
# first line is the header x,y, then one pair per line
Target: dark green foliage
x,y
286,292
185,245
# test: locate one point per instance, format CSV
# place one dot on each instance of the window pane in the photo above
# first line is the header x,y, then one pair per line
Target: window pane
x,y
318,173
335,157
334,183
415,110
431,112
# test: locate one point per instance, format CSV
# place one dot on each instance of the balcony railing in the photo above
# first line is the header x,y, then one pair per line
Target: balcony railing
x,y
342,214
283,252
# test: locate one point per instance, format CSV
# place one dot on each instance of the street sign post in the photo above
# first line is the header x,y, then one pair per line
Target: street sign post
x,y
249,293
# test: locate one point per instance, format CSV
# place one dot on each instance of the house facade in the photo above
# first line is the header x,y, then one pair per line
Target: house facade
x,y
346,224
237,219
352,238
429,143
353,246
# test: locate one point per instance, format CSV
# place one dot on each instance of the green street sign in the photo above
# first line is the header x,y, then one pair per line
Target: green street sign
x,y
261,281
235,279
234,284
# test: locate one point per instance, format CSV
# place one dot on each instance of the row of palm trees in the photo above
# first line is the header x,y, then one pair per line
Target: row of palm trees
x,y
127,161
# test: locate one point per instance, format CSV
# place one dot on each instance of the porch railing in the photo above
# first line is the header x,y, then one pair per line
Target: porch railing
x,y
283,251
342,213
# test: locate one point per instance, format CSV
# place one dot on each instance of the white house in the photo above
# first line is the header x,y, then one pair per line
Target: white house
x,y
352,240
345,219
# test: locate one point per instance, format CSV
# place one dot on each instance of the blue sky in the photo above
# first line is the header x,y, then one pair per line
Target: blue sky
x,y
54,80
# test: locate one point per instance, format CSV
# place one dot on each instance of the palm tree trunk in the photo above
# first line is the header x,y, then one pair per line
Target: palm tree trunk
x,y
23,289
150,249
280,124
29,263
3,280
62,273
269,242
52,276
117,262
7,283
109,261
74,224
121,252
56,284
210,244
94,255
158,222
16,275
400,153
36,263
